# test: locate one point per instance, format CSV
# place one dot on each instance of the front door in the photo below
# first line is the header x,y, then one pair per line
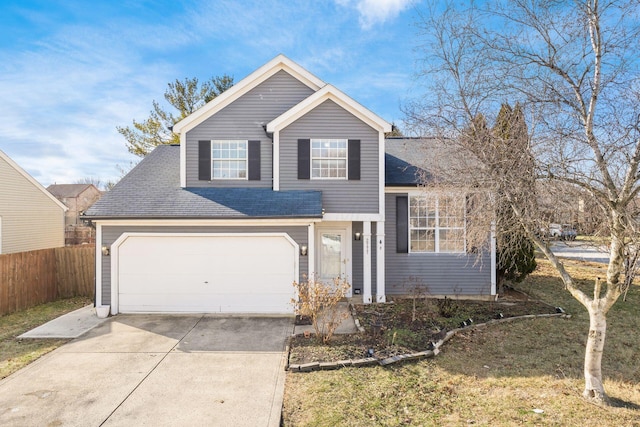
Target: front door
x,y
333,257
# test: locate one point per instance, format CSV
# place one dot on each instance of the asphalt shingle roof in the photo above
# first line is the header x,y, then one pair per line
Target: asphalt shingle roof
x,y
405,160
152,190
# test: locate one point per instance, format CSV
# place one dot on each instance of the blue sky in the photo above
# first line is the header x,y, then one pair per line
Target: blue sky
x,y
71,71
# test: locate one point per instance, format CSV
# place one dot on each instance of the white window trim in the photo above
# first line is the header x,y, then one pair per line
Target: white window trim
x,y
437,228
346,159
246,159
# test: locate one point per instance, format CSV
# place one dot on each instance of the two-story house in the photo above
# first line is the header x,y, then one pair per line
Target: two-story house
x,y
30,217
282,176
78,198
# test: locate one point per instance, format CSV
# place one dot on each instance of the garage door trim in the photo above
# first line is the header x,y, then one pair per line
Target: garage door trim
x,y
115,254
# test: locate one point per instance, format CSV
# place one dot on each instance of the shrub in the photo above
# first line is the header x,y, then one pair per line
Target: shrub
x,y
318,302
447,307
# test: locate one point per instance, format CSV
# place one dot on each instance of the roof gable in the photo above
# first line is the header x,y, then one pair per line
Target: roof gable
x,y
279,63
31,180
329,92
69,190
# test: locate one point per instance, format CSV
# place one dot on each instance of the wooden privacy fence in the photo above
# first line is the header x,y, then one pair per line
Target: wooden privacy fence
x,y
35,277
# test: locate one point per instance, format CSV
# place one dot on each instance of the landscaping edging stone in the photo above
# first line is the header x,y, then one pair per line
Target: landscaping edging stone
x,y
370,361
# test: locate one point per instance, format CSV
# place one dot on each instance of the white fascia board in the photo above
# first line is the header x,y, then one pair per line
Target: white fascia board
x,y
353,217
32,180
329,92
208,222
279,63
392,190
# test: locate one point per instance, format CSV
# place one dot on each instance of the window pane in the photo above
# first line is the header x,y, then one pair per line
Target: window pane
x,y
423,241
443,215
452,240
328,158
451,211
331,256
229,159
242,170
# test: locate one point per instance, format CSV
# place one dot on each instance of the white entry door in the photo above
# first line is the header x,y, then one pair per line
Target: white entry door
x,y
333,257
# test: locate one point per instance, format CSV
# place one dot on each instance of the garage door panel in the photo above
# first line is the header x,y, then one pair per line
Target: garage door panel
x,y
206,303
241,273
221,283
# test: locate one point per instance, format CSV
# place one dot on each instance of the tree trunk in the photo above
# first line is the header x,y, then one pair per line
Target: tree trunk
x,y
593,388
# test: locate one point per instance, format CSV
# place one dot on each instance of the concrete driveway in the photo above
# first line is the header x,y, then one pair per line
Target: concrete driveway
x,y
156,370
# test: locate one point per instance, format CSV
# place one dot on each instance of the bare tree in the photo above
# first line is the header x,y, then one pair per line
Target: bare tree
x,y
99,184
573,68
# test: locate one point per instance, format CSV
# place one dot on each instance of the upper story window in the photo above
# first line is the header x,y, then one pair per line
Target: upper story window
x,y
229,159
329,158
437,223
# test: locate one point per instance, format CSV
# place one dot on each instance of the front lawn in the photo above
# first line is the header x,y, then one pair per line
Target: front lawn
x,y
527,372
16,353
411,325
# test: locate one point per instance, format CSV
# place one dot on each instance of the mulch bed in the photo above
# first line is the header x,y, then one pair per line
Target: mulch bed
x,y
397,328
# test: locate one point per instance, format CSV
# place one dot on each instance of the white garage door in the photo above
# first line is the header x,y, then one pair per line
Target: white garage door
x,y
206,273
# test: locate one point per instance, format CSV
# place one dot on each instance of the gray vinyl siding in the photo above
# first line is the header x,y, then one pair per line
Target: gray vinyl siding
x,y
111,233
243,119
329,120
29,218
357,256
444,274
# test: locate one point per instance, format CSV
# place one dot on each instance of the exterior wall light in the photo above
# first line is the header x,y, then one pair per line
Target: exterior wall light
x,y
105,250
357,236
303,250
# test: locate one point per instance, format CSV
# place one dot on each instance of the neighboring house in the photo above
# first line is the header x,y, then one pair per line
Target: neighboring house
x,y
78,198
30,217
280,177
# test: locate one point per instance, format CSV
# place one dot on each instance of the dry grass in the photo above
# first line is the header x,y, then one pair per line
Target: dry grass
x,y
16,353
489,376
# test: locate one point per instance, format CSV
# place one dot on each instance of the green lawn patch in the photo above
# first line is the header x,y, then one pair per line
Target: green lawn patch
x,y
527,372
16,353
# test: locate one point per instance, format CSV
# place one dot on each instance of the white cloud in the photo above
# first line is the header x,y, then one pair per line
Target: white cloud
x,y
372,12
64,95
66,89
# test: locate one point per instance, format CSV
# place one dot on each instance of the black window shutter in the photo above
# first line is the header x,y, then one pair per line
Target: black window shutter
x,y
304,159
402,224
204,160
354,159
254,161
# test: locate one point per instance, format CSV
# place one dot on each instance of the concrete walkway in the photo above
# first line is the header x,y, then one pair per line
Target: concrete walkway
x,y
347,326
70,325
156,370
